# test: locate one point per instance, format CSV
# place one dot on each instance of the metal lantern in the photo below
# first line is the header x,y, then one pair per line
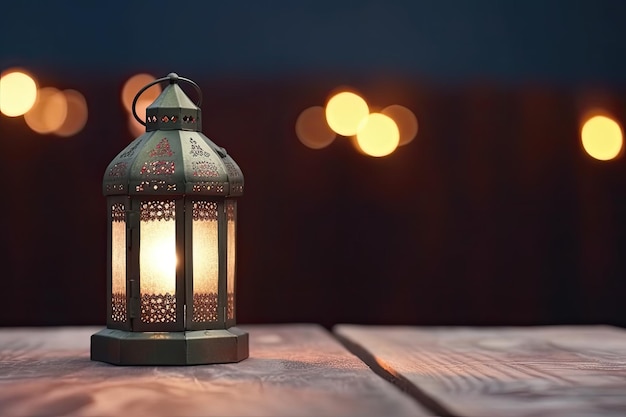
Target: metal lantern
x,y
171,242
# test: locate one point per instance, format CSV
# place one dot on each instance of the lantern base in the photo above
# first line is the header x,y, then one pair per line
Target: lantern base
x,y
197,347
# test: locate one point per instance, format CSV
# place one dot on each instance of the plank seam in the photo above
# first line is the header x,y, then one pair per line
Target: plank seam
x,y
395,379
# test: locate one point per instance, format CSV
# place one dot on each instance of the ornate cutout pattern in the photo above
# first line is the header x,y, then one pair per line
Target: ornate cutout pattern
x,y
161,149
131,151
158,168
115,188
231,170
204,169
230,210
157,210
118,170
156,185
216,187
204,307
117,212
230,306
158,308
204,210
196,149
118,307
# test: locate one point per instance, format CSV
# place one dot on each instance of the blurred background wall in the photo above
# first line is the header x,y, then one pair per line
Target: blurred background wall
x,y
493,214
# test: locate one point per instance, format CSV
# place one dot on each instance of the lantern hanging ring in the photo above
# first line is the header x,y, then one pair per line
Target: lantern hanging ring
x,y
173,78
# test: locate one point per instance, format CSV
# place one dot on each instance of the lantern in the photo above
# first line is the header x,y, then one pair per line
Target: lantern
x,y
171,242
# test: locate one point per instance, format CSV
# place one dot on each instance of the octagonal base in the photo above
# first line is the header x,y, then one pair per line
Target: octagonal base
x,y
169,348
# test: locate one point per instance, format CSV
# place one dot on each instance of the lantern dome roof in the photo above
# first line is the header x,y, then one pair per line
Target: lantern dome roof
x,y
173,157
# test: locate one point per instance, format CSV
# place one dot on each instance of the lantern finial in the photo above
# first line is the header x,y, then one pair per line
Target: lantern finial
x,y
173,77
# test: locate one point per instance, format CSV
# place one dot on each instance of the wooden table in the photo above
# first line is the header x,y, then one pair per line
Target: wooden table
x,y
293,370
541,371
304,370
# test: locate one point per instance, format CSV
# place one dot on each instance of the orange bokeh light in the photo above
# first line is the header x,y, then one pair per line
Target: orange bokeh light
x,y
76,114
405,120
18,93
49,112
378,135
130,89
312,129
136,128
345,111
602,137
133,85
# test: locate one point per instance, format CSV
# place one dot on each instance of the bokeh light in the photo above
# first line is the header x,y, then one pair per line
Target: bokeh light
x,y
312,129
405,120
136,129
136,83
345,111
130,89
18,93
378,135
76,114
49,112
602,137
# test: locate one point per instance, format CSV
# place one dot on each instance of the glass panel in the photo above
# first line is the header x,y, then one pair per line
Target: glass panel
x,y
231,216
118,263
157,261
205,261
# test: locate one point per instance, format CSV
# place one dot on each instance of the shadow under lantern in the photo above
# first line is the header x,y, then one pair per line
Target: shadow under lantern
x,y
171,242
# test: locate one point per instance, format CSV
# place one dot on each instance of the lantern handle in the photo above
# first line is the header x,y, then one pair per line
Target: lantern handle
x,y
173,79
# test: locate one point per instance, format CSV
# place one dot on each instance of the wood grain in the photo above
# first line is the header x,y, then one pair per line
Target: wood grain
x,y
293,370
536,371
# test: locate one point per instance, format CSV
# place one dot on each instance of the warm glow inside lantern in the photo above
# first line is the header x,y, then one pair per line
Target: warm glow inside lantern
x,y
171,243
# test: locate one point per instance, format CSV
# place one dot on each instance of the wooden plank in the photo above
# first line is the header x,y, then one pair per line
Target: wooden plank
x,y
536,371
293,370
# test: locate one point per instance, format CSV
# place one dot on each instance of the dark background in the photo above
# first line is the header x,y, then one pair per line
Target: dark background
x,y
493,215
